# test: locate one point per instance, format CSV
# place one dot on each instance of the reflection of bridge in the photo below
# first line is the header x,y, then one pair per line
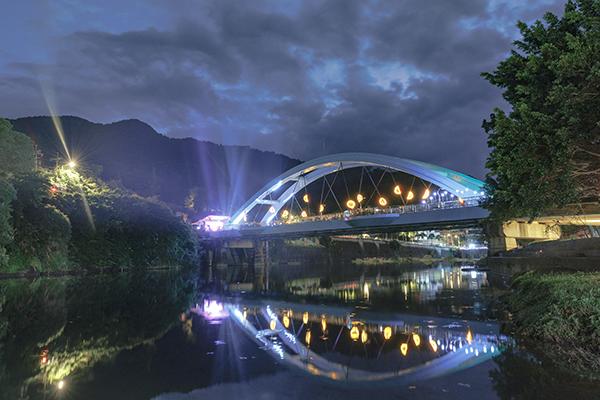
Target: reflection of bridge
x,y
290,333
436,198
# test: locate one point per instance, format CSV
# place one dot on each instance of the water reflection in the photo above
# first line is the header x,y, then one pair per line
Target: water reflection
x,y
325,342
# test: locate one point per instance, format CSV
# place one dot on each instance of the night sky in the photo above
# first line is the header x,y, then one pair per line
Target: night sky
x,y
301,78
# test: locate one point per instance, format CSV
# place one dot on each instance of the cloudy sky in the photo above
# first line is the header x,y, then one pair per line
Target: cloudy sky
x,y
303,78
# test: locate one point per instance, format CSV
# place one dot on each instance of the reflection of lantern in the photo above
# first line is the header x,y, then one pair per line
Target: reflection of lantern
x,y
433,345
321,208
305,198
382,201
404,349
307,337
303,214
323,324
359,198
417,339
469,336
397,190
273,324
354,333
351,204
286,321
387,333
245,313
426,194
410,195
364,336
305,318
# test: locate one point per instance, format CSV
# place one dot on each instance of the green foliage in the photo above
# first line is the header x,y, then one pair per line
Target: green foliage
x,y
7,195
562,309
17,155
42,232
546,152
111,227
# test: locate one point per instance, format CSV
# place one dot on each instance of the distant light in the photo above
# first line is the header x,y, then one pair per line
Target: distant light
x,y
273,324
461,201
323,324
387,333
417,339
305,198
364,336
307,337
433,345
321,208
354,333
305,318
410,195
272,210
60,385
482,193
286,321
351,204
382,201
303,214
426,194
397,190
285,214
72,164
404,348
469,336
359,198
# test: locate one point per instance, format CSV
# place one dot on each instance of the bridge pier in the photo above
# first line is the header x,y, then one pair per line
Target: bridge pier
x,y
261,265
512,234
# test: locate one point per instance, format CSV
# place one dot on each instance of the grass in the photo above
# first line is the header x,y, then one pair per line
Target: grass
x,y
563,311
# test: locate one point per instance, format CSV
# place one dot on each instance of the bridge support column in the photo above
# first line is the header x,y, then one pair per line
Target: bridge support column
x,y
512,234
261,265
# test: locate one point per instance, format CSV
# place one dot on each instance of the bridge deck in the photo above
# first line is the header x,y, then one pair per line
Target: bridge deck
x,y
432,219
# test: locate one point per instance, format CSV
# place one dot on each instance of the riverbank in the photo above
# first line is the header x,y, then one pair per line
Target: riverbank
x,y
90,271
560,311
425,260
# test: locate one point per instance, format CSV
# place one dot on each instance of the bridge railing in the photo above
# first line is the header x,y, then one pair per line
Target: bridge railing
x,y
473,201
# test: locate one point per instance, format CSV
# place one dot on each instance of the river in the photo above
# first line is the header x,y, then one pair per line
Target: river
x,y
347,332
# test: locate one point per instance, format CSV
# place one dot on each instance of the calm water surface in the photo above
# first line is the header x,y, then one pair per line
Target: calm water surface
x,y
342,332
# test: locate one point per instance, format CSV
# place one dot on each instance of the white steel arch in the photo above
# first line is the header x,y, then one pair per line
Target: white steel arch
x,y
457,183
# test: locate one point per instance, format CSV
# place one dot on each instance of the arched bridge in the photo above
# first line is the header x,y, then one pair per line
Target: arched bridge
x,y
358,192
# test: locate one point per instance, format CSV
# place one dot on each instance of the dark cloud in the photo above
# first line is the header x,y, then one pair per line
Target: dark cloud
x,y
302,78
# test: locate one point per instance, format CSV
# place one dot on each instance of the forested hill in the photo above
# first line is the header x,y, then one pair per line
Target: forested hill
x,y
182,172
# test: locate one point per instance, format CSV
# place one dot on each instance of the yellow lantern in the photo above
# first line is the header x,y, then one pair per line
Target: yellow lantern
x,y
364,336
404,348
433,345
354,333
469,336
410,195
426,194
286,321
397,190
351,204
387,333
273,324
303,214
305,198
417,339
285,214
359,198
307,337
323,324
382,201
305,318
321,208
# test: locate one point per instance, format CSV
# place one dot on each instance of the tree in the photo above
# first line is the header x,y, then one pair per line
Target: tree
x,y
17,154
546,151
